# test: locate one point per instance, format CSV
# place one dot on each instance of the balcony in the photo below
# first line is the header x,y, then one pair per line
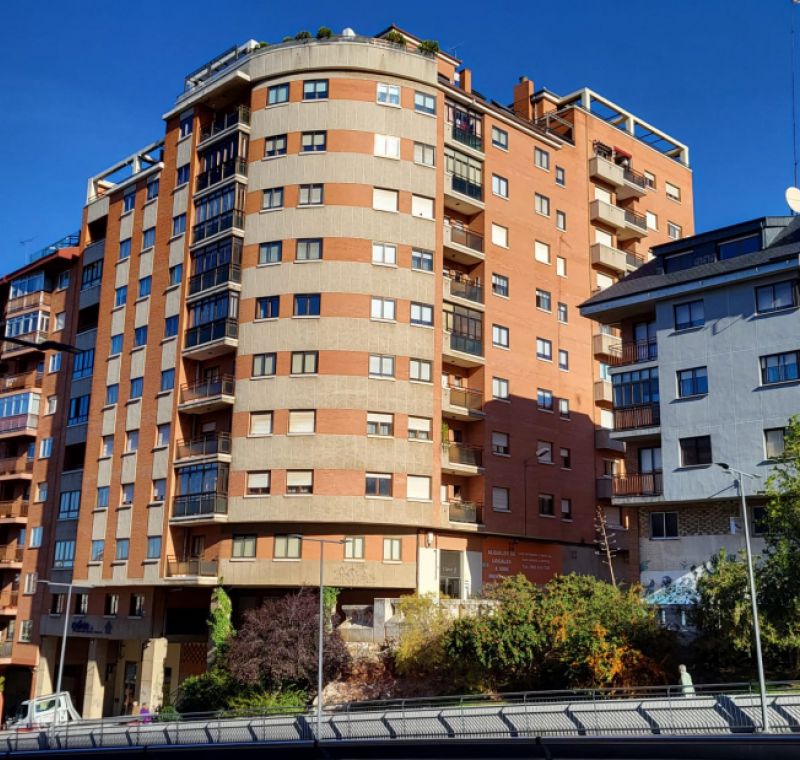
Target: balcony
x,y
462,403
239,117
462,194
234,167
463,245
628,224
627,182
604,442
8,602
233,219
621,262
16,467
464,136
19,424
225,276
639,484
207,395
14,512
469,512
643,420
461,288
603,488
199,571
634,352
199,508
6,648
36,336
602,392
10,555
462,459
216,446
462,349
212,339
40,299
20,381
603,344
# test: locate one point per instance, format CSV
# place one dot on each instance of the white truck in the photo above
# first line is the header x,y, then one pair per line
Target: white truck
x,y
44,711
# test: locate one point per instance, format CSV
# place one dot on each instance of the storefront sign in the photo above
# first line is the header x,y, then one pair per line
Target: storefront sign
x,y
503,558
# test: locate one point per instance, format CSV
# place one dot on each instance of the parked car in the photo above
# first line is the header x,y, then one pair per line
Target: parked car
x,y
44,711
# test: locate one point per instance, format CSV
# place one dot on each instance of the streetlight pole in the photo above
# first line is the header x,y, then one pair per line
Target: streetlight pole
x,y
739,475
320,643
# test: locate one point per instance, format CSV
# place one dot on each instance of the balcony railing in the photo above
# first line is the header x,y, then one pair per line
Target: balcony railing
x,y
209,227
68,241
19,422
634,417
20,381
5,649
465,186
634,177
208,445
465,512
28,301
213,277
467,398
634,352
466,343
463,236
204,389
200,504
9,599
210,331
463,287
468,138
639,484
10,510
10,554
225,170
462,453
15,465
638,220
205,568
36,336
240,115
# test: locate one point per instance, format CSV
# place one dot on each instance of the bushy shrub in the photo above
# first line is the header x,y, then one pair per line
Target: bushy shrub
x,y
207,692
303,35
257,700
396,37
428,47
324,33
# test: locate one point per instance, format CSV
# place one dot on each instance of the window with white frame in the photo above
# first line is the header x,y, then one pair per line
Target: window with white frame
x,y
541,252
354,547
500,444
380,424
419,428
382,308
381,365
544,349
544,452
673,191
561,221
500,336
541,158
388,94
424,154
302,421
652,220
499,185
422,207
258,483
260,423
561,266
418,487
674,230
420,370
499,235
387,146
500,388
542,204
500,499
299,482
424,103
384,200
500,285
421,314
392,548
384,253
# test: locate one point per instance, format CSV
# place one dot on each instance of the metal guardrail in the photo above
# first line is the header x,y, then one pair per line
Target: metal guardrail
x,y
68,241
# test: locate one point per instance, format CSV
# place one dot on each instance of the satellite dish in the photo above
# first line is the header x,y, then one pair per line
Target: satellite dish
x,y
348,32
793,199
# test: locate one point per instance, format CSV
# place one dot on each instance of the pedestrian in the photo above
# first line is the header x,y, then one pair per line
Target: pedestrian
x,y
135,708
687,686
145,715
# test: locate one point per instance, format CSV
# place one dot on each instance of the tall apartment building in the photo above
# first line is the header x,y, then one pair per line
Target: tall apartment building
x,y
339,299
706,372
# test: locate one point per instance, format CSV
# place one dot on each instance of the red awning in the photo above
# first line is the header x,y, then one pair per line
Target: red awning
x,y
621,152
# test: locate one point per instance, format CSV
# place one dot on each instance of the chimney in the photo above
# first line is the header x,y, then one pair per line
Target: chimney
x,y
465,80
523,93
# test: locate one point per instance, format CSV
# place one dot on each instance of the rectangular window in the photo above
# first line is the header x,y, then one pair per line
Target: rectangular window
x,y
278,93
378,485
381,365
260,423
543,300
91,274
499,138
422,207
692,382
270,253
422,261
387,146
392,549
264,365
424,103
120,296
167,380
302,422
275,146
97,550
774,444
544,349
354,547
152,188
310,195
41,491
380,424
419,429
541,252
562,313
78,410
650,180
652,220
299,482
673,191
267,307
563,359
542,204
307,305
30,583
171,326
663,525
541,158
127,493
315,89
688,315
561,176
140,336
500,499
243,546
182,176
566,509
776,297
382,308
500,285
178,224
131,441
123,545
500,186
309,249
36,537
304,362
696,451
780,368
424,154
287,547
175,274
54,364
136,606
83,364
137,386
313,142
186,124
163,434
566,458
420,370
111,606
258,483
561,221
384,253
45,448
384,200
124,249
159,490
388,94
145,286
148,238
500,336
272,198
107,446
561,266
674,230
64,555
544,400
547,505
500,444
499,235
68,505
418,487
500,388
421,314
128,201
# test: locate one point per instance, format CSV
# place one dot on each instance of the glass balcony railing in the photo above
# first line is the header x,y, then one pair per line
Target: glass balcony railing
x,y
465,186
467,137
463,287
463,454
221,122
207,445
206,568
463,236
466,343
226,221
465,398
223,171
200,505
465,512
210,331
207,389
19,423
213,277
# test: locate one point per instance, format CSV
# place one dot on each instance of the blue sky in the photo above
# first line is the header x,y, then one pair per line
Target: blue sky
x,y
85,83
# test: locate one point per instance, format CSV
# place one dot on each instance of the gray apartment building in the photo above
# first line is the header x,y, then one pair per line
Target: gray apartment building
x,y
707,371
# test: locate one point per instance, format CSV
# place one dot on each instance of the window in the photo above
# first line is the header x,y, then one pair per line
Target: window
x,y
315,89
45,448
264,365
171,326
561,220
563,359
136,606
185,125
30,583
302,422
566,458
424,103
688,315
500,388
544,349
663,525
499,235
674,230
309,249
418,487
178,224
392,549
55,362
272,198
91,274
542,204
500,499
260,423
652,220
541,158
562,312
131,441
244,546
422,260
163,432
421,314
120,295
384,253
97,550
354,547
313,142
267,307
287,547
381,365
738,247
500,285
546,505
278,93
60,321
499,138
673,191
544,452
650,180
692,382
124,249
159,489
566,509
175,274
420,370
182,176
145,286
41,491
107,446
128,201
561,176
388,94
148,238
378,485
137,384
310,195
127,493
382,308
270,253
153,547
380,424
81,604
304,362
500,444
299,482
779,368
500,336
68,505
167,380
258,483
36,537
774,444
111,606
78,410
419,429
140,336
384,200
52,404
275,146
83,365
307,304
544,400
500,186
775,297
388,146
64,555
424,154
695,451
123,545
543,300
422,207
541,252
561,266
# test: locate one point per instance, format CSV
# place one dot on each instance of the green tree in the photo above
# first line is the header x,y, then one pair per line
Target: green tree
x,y
420,649
220,625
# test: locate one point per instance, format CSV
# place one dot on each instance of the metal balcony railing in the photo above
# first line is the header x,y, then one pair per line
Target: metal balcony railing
x,y
213,277
466,398
200,504
463,236
637,220
15,465
465,512
638,484
462,453
19,422
634,177
204,389
207,445
205,333
633,352
467,137
221,122
633,417
13,509
28,301
463,287
206,568
68,241
226,221
222,171
10,553
20,381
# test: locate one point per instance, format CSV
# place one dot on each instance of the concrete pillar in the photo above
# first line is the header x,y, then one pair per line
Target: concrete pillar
x,y
94,691
45,670
152,681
